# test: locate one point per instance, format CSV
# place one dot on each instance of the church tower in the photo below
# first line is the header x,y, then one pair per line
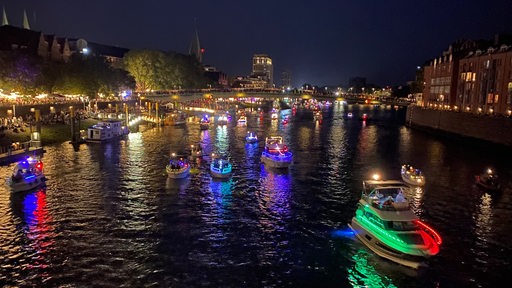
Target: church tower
x,y
4,18
25,20
195,46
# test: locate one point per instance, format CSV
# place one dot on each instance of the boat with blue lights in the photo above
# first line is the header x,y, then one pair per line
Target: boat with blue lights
x,y
27,175
251,137
386,224
221,167
242,120
412,176
177,168
204,123
276,154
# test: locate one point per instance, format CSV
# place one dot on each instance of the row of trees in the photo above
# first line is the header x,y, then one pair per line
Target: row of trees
x,y
91,76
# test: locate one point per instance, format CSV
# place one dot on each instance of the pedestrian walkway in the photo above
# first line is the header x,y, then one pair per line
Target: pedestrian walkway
x,y
14,154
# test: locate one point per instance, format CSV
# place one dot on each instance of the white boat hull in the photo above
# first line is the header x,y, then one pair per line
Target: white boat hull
x,y
27,185
418,181
178,174
220,175
378,248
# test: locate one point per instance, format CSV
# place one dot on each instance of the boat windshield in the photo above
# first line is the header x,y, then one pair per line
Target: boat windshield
x,y
400,225
385,192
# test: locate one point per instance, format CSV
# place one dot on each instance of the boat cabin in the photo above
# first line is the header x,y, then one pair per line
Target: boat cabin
x,y
385,194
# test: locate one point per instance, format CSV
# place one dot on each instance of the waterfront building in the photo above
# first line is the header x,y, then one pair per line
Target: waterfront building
x,y
471,76
51,47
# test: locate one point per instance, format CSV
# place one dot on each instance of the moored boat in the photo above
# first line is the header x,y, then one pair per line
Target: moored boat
x,y
220,167
27,175
276,154
412,176
106,130
488,180
177,168
385,223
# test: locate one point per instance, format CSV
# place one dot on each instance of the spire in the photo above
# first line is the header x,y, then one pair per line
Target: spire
x,y
4,18
25,20
195,46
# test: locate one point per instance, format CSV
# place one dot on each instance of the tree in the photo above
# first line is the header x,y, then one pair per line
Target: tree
x,y
20,72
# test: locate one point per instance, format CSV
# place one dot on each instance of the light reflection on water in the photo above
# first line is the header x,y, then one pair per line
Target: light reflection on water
x,y
110,217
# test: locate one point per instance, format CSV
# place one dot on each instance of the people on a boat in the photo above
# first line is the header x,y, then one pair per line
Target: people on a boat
x,y
400,197
18,176
385,201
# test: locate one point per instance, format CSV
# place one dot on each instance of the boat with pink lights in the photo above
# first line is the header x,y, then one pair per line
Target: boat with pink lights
x,y
386,224
276,154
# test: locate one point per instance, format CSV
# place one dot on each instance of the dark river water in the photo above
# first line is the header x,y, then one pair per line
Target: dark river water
x,y
110,217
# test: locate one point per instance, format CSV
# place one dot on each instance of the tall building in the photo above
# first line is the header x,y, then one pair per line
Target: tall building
x,y
286,79
262,69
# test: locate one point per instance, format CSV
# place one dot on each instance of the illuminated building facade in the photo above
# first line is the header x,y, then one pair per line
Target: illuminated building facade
x,y
262,69
471,76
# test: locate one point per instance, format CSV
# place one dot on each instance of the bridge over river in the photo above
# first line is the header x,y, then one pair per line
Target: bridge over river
x,y
350,98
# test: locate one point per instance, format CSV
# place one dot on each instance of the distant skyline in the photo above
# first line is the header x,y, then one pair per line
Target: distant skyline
x,y
320,42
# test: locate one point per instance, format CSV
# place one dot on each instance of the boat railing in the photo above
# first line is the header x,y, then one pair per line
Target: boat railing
x,y
286,156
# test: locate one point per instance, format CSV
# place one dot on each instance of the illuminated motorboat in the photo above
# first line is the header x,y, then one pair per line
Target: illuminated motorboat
x,y
412,176
222,120
27,175
196,151
220,167
276,154
177,168
251,137
242,120
385,223
488,180
204,123
273,114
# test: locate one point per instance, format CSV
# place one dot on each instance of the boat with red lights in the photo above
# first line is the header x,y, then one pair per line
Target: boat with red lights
x,y
276,154
27,175
386,224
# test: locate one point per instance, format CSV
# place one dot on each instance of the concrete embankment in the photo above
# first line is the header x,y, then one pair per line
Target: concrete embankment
x,y
496,130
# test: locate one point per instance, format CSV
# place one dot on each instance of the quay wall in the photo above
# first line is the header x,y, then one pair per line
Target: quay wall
x,y
495,129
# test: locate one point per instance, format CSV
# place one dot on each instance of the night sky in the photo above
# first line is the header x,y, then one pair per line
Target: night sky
x,y
322,42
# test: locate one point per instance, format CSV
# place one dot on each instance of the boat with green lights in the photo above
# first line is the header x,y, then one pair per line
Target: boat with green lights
x,y
220,167
386,224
